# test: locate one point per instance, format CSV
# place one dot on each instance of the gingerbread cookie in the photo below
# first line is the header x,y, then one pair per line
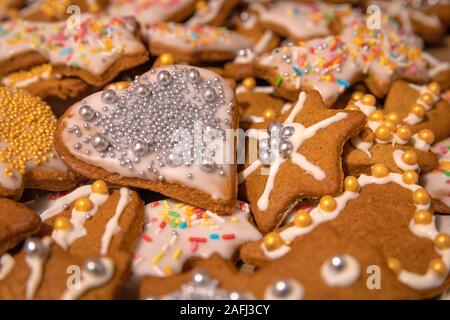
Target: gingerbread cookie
x,y
437,182
106,136
91,230
176,233
42,82
96,50
384,140
323,265
213,12
27,156
413,19
438,71
149,12
56,10
195,43
299,156
421,107
387,211
17,223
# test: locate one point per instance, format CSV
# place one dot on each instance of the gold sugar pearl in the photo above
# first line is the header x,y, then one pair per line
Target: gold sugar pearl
x,y
249,83
438,266
351,184
377,115
27,128
410,177
421,196
434,87
328,203
394,264
394,117
83,204
442,241
166,59
427,98
302,219
427,135
368,99
404,132
383,133
417,109
100,187
357,95
273,241
379,170
423,217
352,107
269,114
409,157
390,124
62,223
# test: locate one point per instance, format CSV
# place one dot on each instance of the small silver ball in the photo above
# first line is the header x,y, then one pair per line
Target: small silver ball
x,y
200,277
109,96
265,157
100,143
286,148
337,262
35,247
274,127
164,77
95,266
287,132
264,144
281,288
142,90
86,113
209,94
193,75
139,148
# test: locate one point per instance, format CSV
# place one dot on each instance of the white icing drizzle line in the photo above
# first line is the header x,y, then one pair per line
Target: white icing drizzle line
x,y
418,143
90,281
437,66
36,265
6,265
112,227
413,280
300,135
261,89
362,145
341,278
397,154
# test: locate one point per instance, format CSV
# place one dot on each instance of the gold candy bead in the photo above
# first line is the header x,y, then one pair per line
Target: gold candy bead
x,y
423,217
83,204
302,219
328,203
442,241
62,223
427,135
368,99
269,114
379,170
394,264
383,133
390,124
420,196
434,87
351,184
357,95
377,115
410,177
249,83
100,187
438,266
273,241
166,59
418,110
404,133
427,98
409,157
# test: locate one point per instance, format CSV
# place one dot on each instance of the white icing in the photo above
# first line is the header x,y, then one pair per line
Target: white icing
x,y
341,278
112,227
6,265
90,281
261,89
418,143
362,145
156,239
248,118
366,109
397,154
36,265
412,119
212,184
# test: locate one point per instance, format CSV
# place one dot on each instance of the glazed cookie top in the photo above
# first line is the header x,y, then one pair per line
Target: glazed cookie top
x,y
94,45
26,136
169,125
197,37
175,232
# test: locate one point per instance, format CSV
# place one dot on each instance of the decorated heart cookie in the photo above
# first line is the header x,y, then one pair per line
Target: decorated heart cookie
x,y
421,107
299,156
387,211
195,43
176,233
27,156
166,132
437,182
95,48
386,140
16,224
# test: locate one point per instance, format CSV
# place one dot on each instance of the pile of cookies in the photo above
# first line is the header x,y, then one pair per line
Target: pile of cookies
x,y
192,149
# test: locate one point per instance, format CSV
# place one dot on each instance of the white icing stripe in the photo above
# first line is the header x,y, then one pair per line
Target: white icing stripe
x,y
362,145
90,281
418,143
263,42
112,227
248,118
341,278
36,265
261,89
6,265
397,154
437,66
60,203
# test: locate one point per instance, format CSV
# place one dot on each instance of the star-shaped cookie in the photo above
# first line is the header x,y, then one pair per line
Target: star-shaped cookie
x,y
298,156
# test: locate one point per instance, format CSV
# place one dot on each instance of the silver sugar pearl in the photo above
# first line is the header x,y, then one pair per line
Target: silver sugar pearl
x,y
164,77
77,146
285,148
337,262
35,247
109,96
287,132
193,75
274,126
142,90
86,112
100,143
95,266
281,288
139,148
200,277
209,94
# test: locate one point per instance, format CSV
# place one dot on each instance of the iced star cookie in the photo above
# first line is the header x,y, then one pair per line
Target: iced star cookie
x,y
425,24
27,155
387,211
324,265
56,10
212,12
96,51
149,12
41,81
176,234
387,140
299,156
422,107
195,43
437,182
166,132
17,223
